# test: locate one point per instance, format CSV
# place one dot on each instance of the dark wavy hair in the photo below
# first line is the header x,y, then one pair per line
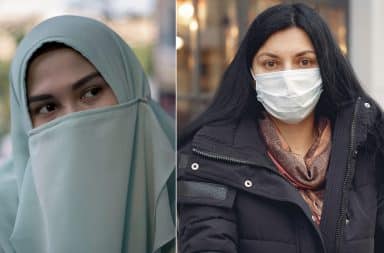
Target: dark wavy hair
x,y
235,96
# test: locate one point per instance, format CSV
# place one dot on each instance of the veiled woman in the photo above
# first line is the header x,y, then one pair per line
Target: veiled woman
x,y
93,158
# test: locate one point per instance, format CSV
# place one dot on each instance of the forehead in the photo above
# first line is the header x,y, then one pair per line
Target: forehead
x,y
290,40
60,66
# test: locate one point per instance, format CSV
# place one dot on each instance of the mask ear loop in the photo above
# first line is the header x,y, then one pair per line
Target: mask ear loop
x,y
252,74
254,78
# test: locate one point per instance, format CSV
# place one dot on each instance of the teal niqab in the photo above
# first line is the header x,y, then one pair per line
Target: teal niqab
x,y
92,181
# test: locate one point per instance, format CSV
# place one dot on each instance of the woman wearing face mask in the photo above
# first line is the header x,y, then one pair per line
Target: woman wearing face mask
x,y
92,152
289,155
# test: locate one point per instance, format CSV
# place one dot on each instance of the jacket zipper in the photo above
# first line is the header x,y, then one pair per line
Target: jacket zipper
x,y
229,159
222,158
340,226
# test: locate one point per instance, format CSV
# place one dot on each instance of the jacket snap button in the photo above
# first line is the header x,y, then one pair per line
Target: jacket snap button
x,y
367,105
248,183
347,221
195,166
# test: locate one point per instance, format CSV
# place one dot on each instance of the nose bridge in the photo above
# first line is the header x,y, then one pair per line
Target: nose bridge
x,y
288,64
69,106
288,80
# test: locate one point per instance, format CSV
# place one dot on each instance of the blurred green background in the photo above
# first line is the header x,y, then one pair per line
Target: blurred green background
x,y
4,98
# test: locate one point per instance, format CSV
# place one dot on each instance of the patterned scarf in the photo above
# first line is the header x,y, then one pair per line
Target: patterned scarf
x,y
306,173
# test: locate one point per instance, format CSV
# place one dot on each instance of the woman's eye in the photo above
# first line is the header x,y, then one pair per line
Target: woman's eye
x,y
306,62
270,64
45,109
90,93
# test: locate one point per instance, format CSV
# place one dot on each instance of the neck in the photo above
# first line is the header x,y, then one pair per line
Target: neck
x,y
299,136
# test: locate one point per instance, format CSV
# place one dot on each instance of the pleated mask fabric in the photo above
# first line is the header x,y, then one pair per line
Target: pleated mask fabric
x,y
92,181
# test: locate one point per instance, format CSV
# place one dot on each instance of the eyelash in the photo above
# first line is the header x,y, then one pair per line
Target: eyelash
x,y
311,62
265,63
37,110
94,88
97,88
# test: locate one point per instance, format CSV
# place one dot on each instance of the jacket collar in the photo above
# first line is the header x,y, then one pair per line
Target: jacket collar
x,y
240,141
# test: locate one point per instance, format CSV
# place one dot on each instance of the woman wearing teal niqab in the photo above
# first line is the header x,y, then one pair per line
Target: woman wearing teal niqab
x,y
92,181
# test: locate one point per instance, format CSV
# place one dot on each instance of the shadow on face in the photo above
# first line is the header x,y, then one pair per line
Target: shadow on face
x,y
61,81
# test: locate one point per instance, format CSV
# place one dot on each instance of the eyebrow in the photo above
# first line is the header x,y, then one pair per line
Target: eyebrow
x,y
267,54
39,98
306,52
276,56
75,86
78,84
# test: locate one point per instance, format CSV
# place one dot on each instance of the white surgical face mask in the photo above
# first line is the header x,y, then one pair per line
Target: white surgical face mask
x,y
289,95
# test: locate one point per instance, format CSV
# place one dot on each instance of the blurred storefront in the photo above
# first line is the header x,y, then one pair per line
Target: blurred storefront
x,y
164,55
367,45
209,32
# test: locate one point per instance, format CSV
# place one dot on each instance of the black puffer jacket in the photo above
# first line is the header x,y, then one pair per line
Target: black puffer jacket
x,y
231,198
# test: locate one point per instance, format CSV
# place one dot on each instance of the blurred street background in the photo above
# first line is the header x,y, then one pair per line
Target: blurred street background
x,y
148,26
209,32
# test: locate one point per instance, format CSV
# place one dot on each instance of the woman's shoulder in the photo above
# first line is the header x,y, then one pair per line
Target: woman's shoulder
x,y
364,110
373,106
376,127
372,115
212,131
370,124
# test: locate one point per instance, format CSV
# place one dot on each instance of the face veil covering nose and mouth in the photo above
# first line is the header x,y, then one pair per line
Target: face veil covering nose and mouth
x,y
92,181
289,95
